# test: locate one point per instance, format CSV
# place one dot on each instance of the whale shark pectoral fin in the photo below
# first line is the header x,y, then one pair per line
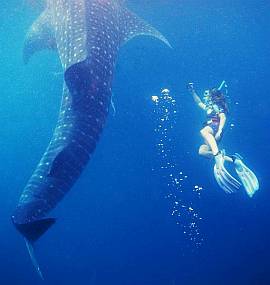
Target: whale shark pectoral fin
x,y
34,230
133,26
31,252
67,158
77,78
39,37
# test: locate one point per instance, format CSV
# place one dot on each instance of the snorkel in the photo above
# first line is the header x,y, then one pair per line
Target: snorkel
x,y
223,84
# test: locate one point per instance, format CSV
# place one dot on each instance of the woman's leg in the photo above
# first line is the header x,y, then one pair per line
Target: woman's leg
x,y
206,150
207,134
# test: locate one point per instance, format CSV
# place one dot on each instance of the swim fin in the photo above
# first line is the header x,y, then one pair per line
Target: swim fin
x,y
224,179
247,177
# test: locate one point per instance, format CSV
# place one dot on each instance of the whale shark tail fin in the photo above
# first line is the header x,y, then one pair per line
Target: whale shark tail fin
x,y
133,26
30,249
34,230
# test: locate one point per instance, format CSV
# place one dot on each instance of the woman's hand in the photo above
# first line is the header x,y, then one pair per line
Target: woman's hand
x,y
190,87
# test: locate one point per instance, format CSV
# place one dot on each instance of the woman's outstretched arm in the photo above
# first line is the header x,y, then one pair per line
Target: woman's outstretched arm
x,y
195,96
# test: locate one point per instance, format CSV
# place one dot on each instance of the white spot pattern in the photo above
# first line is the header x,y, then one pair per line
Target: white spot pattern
x,y
88,35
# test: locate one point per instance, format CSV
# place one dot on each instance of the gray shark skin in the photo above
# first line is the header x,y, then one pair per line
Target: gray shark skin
x,y
87,35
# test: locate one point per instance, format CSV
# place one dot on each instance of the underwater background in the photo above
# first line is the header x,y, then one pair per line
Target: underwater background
x,y
118,224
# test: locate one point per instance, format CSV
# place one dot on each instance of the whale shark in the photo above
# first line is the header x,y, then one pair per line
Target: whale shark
x,y
87,36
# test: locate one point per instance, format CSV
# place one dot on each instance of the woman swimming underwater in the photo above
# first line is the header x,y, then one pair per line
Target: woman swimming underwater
x,y
215,106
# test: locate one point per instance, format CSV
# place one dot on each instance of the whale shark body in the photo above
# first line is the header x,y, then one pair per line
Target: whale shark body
x,y
87,35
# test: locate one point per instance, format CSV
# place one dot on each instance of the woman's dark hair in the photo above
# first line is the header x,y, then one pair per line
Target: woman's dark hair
x,y
219,99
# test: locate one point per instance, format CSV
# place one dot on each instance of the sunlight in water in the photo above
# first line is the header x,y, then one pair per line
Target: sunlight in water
x,y
179,192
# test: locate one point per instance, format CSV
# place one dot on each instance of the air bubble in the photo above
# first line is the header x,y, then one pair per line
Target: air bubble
x,y
182,209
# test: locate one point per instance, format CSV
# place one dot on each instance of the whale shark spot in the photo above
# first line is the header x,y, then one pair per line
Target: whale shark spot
x,y
87,35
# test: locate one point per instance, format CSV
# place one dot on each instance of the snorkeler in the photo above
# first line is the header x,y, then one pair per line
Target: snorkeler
x,y
216,108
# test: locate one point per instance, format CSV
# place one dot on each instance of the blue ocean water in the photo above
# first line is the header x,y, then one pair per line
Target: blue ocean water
x,y
116,225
